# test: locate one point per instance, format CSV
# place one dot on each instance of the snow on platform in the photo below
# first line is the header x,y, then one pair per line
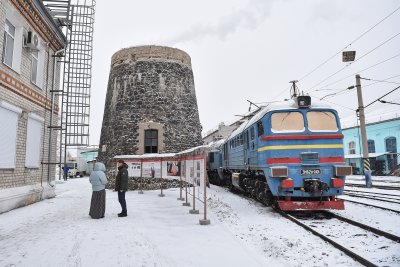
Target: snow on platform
x,y
157,232
161,232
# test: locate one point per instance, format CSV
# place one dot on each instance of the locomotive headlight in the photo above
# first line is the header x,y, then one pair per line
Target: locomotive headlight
x,y
303,101
343,170
279,171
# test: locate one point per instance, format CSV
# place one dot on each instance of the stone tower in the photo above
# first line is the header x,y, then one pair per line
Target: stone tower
x,y
150,105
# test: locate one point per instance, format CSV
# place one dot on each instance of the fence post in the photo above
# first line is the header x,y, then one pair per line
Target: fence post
x,y
194,211
186,188
161,182
205,221
180,180
141,177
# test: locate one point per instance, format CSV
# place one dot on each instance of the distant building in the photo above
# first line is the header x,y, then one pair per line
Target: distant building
x,y
224,131
383,147
90,158
29,39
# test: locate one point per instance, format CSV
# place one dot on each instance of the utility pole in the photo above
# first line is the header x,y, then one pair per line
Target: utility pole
x,y
367,166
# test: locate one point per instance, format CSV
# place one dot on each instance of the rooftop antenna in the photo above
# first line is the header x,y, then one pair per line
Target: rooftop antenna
x,y
294,90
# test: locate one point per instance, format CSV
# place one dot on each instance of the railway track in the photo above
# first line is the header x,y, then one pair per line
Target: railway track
x,y
394,196
347,251
374,186
370,205
374,197
391,238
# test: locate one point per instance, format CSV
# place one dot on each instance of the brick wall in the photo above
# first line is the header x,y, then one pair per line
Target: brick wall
x,y
18,90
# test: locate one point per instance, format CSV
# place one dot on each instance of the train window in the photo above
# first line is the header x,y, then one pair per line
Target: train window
x,y
241,139
321,121
211,157
260,128
252,133
287,121
246,139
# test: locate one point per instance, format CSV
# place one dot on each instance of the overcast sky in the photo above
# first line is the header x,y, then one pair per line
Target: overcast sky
x,y
250,50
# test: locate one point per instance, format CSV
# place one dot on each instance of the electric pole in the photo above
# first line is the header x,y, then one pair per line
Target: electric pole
x,y
367,166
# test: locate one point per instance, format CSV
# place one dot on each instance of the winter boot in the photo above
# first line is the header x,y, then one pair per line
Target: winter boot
x,y
123,214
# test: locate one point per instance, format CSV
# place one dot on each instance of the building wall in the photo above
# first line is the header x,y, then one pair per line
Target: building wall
x,y
378,132
23,185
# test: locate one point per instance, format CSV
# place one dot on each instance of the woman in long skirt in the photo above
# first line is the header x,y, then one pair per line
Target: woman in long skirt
x,y
98,180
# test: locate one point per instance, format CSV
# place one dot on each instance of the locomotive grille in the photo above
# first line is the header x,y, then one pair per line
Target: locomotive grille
x,y
309,157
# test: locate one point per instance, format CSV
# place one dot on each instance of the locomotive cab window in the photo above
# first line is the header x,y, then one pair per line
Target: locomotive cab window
x,y
322,121
287,122
260,128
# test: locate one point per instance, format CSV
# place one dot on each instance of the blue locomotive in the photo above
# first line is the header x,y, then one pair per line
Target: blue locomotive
x,y
289,154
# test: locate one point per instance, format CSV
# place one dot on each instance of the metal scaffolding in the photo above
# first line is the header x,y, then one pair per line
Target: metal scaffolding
x,y
77,19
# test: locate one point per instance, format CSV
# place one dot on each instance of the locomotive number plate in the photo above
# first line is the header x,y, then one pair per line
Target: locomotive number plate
x,y
310,172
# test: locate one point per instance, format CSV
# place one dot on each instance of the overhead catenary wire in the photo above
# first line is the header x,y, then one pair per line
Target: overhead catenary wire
x,y
351,43
347,90
368,68
341,50
352,109
382,97
347,65
379,81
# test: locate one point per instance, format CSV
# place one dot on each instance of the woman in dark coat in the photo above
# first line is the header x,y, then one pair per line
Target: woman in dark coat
x,y
98,180
121,186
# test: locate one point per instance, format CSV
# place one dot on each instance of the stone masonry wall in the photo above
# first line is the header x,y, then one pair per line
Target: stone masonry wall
x,y
149,87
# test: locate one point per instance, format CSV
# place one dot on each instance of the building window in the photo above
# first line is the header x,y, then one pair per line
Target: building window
x,y
8,135
34,67
33,136
371,146
9,37
352,147
391,145
150,141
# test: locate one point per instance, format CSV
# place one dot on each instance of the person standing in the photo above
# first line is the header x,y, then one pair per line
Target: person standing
x,y
98,180
121,186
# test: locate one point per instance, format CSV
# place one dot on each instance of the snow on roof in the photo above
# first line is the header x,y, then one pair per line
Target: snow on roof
x,y
146,156
284,105
213,145
191,150
374,116
371,155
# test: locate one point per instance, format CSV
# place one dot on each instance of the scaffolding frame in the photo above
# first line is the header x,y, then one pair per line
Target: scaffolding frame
x,y
77,19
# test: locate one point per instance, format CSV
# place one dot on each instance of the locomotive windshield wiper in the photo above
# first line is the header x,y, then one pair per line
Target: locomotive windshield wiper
x,y
284,118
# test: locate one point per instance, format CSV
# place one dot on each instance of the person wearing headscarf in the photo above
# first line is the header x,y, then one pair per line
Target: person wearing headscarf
x,y
98,180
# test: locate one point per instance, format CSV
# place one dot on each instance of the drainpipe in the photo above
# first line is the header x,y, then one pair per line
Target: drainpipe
x,y
49,160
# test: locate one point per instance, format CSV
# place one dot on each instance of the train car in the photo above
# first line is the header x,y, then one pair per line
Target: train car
x,y
214,162
289,154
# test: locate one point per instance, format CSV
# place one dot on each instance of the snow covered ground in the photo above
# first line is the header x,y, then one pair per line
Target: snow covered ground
x,y
376,180
161,232
157,232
